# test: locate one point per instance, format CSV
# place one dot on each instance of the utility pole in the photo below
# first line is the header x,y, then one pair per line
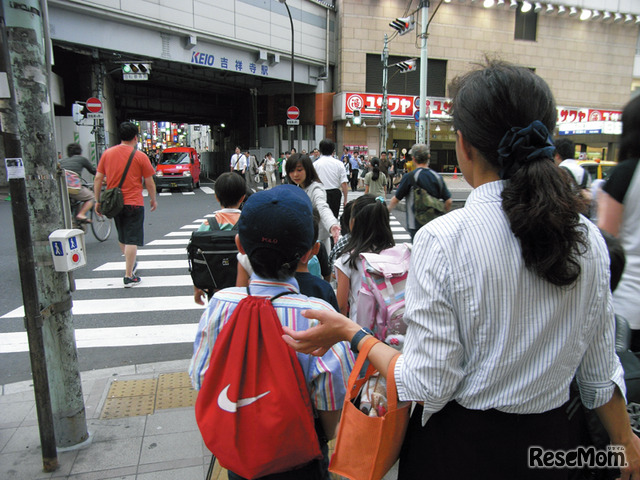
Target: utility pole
x,y
48,307
98,124
384,107
423,134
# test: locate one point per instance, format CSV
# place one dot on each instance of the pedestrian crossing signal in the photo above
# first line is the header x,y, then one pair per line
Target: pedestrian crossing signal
x,y
357,119
403,25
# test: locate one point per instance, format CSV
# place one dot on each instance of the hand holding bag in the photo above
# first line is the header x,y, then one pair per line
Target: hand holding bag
x,y
111,200
367,447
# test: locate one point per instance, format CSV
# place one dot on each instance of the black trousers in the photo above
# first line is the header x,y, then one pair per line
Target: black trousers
x,y
333,199
354,179
484,444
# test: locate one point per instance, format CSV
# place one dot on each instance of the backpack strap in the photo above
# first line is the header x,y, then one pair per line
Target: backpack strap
x,y
275,297
438,178
126,169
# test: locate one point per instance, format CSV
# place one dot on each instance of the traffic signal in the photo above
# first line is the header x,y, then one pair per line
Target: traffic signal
x,y
403,24
407,66
136,67
357,119
78,112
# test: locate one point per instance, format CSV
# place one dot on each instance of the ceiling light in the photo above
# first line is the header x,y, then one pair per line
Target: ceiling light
x,y
637,19
513,5
500,3
573,11
393,125
617,17
348,124
526,6
364,124
585,14
379,125
538,7
628,18
437,128
549,9
595,15
606,16
452,128
447,1
561,9
488,3
409,126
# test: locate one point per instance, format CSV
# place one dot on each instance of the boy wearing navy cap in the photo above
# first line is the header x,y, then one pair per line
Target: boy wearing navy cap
x,y
275,230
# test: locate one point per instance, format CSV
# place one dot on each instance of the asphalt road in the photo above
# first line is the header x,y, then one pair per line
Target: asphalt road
x,y
117,326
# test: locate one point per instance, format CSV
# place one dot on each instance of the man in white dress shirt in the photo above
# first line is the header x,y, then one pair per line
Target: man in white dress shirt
x,y
238,162
332,175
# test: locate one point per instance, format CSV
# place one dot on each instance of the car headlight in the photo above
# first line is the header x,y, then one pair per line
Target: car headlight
x,y
186,173
159,174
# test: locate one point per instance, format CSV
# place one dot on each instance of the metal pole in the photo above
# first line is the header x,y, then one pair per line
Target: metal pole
x,y
383,107
424,63
292,76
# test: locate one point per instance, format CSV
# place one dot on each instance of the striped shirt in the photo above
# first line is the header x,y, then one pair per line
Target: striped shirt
x,y
326,376
487,332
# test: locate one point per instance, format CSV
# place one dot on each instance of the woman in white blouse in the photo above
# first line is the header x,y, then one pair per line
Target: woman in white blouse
x,y
507,301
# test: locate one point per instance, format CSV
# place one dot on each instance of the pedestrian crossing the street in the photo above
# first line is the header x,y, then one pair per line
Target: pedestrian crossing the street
x,y
108,316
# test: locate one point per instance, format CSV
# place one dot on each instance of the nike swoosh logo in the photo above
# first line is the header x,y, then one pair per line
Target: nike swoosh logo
x,y
228,406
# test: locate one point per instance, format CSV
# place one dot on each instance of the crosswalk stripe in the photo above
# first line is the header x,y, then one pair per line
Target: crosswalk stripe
x,y
178,234
189,227
207,190
147,282
145,265
174,241
188,193
145,252
111,337
103,306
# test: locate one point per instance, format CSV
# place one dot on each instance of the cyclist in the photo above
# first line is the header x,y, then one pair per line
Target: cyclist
x,y
75,162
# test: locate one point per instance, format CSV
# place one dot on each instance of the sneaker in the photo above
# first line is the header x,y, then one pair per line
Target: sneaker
x,y
132,281
135,268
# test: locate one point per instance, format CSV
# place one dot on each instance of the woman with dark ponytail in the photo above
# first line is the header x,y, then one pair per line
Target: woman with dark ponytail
x,y
374,182
507,301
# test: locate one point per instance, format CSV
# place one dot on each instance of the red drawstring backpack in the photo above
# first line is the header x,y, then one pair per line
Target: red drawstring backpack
x,y
254,410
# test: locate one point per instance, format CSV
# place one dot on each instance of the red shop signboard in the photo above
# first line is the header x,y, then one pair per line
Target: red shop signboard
x,y
399,105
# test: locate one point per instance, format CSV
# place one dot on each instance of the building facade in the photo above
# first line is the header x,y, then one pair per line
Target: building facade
x,y
584,49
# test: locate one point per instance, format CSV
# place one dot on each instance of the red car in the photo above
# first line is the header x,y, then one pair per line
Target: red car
x,y
178,167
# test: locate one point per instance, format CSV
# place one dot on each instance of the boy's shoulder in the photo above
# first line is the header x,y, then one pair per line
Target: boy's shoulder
x,y
314,286
293,300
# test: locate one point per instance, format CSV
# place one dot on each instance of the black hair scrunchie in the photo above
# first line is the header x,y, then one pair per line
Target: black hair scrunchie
x,y
520,146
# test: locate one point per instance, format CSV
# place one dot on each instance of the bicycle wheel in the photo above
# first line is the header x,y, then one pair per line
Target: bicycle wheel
x,y
100,225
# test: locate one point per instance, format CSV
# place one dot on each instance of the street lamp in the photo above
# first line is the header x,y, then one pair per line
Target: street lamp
x,y
292,61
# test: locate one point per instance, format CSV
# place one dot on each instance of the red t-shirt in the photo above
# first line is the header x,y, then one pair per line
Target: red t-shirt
x,y
112,165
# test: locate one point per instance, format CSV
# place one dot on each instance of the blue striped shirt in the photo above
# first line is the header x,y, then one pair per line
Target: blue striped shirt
x,y
487,332
326,376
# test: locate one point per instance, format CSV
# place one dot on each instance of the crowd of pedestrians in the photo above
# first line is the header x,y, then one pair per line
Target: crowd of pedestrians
x,y
508,300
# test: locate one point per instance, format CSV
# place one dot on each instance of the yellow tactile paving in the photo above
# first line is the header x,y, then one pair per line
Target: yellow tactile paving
x,y
130,398
128,406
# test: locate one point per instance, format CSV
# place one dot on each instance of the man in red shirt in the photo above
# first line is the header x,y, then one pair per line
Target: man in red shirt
x,y
130,221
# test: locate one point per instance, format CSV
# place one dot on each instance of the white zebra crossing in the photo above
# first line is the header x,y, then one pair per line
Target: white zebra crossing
x,y
159,255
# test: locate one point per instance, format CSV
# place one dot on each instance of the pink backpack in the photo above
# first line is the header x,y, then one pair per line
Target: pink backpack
x,y
381,295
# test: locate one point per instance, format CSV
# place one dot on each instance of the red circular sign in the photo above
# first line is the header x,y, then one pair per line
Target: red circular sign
x,y
94,105
293,112
75,257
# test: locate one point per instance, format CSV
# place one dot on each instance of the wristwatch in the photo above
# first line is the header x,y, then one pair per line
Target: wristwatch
x,y
363,332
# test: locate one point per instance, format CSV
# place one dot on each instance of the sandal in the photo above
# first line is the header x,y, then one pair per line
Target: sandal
x,y
83,220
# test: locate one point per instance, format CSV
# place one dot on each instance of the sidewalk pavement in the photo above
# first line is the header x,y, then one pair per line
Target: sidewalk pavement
x,y
164,444
136,430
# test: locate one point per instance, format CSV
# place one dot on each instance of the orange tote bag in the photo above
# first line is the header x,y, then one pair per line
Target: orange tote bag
x,y
367,447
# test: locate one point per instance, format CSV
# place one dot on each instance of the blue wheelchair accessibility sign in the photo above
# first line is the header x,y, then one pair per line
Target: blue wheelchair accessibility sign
x,y
57,249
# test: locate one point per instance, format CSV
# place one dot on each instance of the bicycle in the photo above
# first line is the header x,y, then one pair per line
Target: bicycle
x,y
100,224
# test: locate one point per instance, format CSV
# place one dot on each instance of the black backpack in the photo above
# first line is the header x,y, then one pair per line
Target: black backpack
x,y
212,255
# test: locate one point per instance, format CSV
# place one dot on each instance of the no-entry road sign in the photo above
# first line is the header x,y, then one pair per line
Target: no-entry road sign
x,y
94,105
293,112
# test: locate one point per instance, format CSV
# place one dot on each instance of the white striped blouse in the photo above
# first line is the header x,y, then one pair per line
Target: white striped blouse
x,y
485,331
